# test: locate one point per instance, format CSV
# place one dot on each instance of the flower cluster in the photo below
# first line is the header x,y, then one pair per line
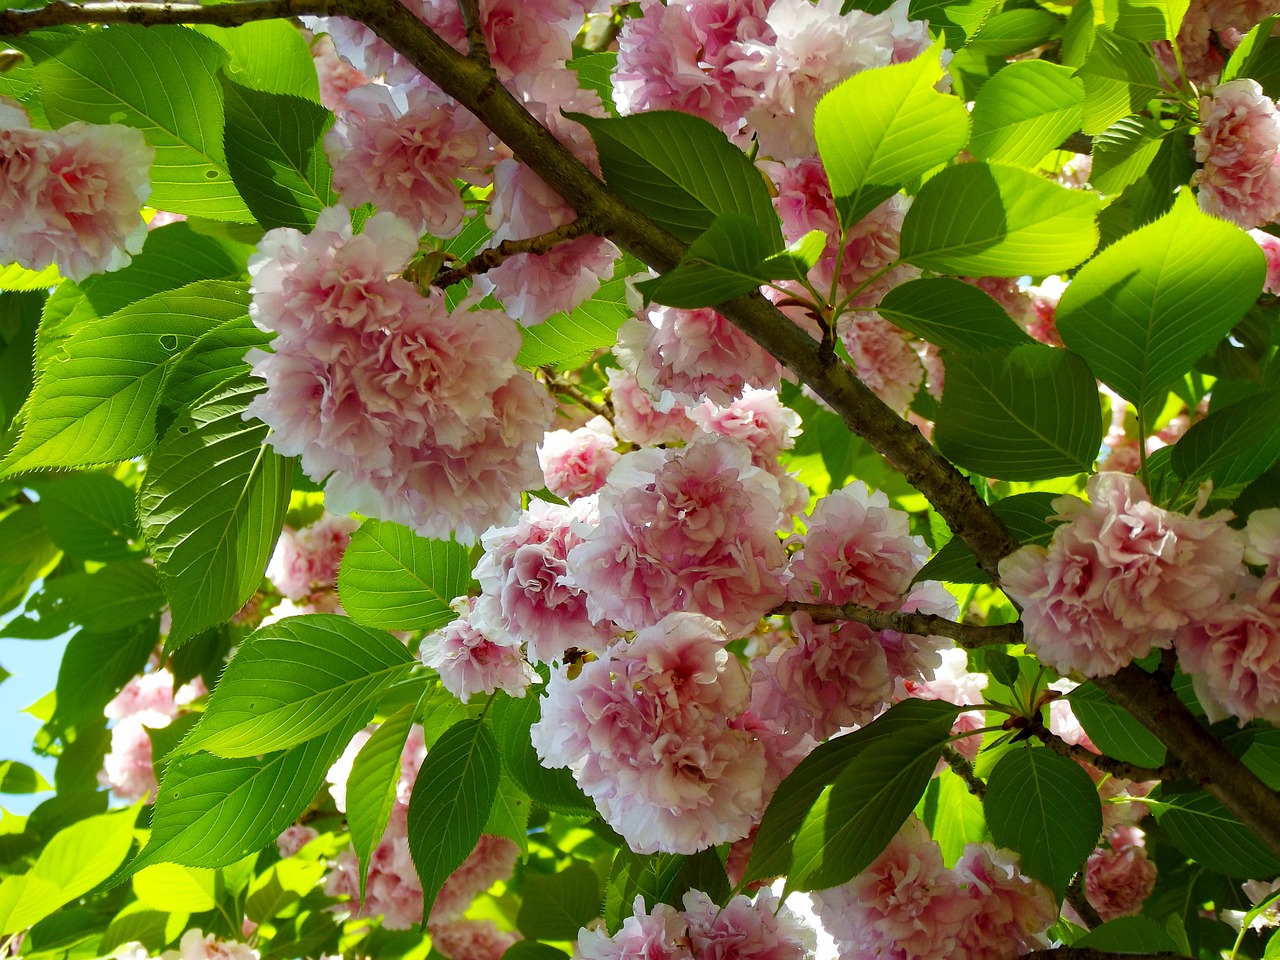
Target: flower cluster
x,y
908,906
1239,148
452,933
147,702
307,560
420,415
759,929
71,196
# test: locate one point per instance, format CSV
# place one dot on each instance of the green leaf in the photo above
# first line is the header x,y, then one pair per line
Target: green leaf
x,y
1123,152
1119,78
275,150
294,680
595,72
883,128
75,861
953,815
1205,831
1128,935
1257,57
555,906
795,262
1113,729
1235,444
14,277
568,340
800,790
163,81
116,596
211,507
371,786
95,666
17,777
215,359
660,878
268,55
1146,20
1029,413
1144,309
450,803
855,818
952,315
394,579
97,402
555,789
979,219
89,515
1046,808
1015,31
172,888
28,553
284,883
1024,111
510,815
154,929
212,812
681,171
721,264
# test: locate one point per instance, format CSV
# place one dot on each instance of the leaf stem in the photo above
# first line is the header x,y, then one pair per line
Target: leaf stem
x,y
967,635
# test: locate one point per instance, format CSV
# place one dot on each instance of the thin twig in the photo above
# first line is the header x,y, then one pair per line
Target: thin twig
x,y
561,385
477,48
967,635
486,260
1089,953
1079,901
15,23
958,762
1117,768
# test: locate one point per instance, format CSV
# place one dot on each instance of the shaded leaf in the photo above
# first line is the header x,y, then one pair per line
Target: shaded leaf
x,y
371,786
951,314
1234,444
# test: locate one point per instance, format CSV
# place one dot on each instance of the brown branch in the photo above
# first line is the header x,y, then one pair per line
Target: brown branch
x,y
14,23
477,48
959,763
472,84
560,385
486,260
1079,901
1117,768
967,635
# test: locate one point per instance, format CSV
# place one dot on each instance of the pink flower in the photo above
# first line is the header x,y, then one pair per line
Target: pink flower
x,y
744,929
1271,247
535,286
294,839
392,891
403,149
1233,653
1239,147
147,702
457,937
884,359
644,731
126,768
337,77
1263,533
71,196
470,662
692,529
308,559
1011,912
1119,877
528,594
195,945
686,356
637,420
1119,578
906,904
576,462
660,935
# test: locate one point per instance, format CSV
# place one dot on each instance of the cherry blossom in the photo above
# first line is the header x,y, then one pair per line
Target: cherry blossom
x,y
1239,147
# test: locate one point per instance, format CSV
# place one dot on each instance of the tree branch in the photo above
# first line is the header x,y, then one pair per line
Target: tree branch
x,y
14,23
967,635
959,763
486,260
1088,953
571,390
477,47
1079,901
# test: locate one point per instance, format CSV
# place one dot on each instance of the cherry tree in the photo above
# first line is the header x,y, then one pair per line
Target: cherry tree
x,y
716,479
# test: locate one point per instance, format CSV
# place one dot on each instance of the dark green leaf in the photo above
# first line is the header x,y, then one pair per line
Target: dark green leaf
x,y
1113,729
97,402
1257,57
17,777
95,666
1029,413
275,150
1046,808
211,507
89,515
211,812
797,794
721,264
450,803
1205,831
371,787
1147,306
1123,152
394,579
595,72
1146,20
116,596
882,128
294,680
1235,444
1128,935
855,818
162,80
556,906
951,314
980,219
28,553
681,171
1025,111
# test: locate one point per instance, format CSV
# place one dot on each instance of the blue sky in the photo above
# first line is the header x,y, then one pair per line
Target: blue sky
x,y
34,665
